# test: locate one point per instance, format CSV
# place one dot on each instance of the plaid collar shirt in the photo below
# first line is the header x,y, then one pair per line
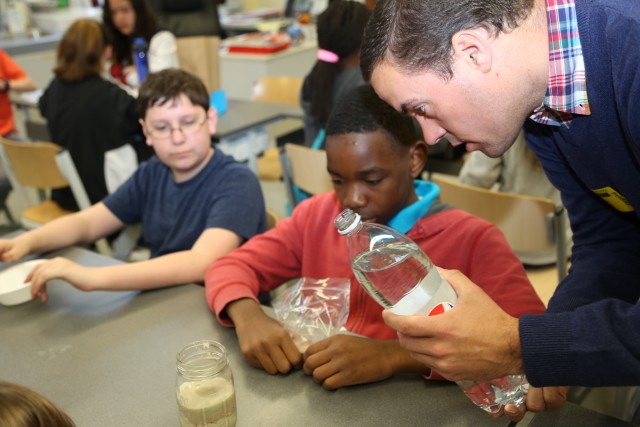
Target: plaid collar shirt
x,y
567,89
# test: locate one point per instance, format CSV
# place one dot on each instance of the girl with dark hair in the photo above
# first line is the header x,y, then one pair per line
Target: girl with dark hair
x,y
127,19
336,71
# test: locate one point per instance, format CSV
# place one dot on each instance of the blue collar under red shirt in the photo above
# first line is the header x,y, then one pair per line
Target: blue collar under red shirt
x,y
404,220
567,89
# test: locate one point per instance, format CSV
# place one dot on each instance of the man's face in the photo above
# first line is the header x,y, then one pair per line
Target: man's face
x,y
180,134
369,176
471,108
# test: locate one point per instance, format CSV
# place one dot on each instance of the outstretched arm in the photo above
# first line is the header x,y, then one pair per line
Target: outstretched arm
x,y
172,269
82,227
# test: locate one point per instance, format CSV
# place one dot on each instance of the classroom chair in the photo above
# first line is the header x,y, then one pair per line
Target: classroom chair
x,y
304,173
276,90
43,166
530,224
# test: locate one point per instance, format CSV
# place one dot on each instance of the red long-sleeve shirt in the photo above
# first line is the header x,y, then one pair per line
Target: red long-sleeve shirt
x,y
308,245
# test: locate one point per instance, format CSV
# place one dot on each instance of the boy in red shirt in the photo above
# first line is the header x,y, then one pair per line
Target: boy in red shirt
x,y
374,161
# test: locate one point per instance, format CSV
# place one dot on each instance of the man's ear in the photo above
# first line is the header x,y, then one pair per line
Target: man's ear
x,y
417,158
473,48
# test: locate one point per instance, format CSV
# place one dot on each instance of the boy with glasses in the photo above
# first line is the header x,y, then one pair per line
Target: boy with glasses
x,y
195,203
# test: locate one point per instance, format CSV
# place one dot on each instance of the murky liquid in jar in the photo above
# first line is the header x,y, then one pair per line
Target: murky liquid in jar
x,y
207,403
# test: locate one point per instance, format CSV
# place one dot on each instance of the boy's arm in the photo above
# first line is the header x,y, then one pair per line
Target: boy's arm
x,y
171,269
344,360
83,227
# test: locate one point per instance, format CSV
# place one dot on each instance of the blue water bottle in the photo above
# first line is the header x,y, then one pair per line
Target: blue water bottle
x,y
140,48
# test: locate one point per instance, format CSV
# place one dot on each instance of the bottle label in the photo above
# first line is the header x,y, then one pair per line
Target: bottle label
x,y
440,308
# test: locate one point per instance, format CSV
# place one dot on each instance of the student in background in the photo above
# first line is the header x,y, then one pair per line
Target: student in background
x,y
374,160
127,19
23,407
12,78
517,171
337,70
87,114
195,204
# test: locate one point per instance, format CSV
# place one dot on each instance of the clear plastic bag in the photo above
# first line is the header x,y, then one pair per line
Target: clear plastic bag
x,y
313,309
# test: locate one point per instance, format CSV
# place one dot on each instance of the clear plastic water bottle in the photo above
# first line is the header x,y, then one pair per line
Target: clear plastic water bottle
x,y
399,276
140,48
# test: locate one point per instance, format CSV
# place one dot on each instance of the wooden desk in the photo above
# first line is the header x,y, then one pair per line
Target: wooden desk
x,y
108,359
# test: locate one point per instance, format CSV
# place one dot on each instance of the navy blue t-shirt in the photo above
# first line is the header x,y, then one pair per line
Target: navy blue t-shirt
x,y
224,194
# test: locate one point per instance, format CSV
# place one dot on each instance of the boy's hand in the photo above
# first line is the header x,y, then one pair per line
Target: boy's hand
x,y
264,342
12,249
343,360
82,278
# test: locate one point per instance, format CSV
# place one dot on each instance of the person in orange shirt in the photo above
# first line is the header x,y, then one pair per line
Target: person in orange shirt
x,y
12,77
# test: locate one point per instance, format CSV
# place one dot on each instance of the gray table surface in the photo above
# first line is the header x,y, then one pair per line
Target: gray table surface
x,y
108,359
242,115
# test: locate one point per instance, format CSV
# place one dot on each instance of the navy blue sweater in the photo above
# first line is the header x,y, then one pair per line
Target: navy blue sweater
x,y
591,333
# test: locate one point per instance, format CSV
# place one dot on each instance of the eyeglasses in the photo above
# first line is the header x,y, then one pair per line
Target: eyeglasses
x,y
164,131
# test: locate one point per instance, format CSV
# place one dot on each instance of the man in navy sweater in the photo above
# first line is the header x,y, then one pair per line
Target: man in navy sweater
x,y
473,73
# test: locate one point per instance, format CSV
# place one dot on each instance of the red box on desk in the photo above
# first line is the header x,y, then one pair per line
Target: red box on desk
x,y
258,43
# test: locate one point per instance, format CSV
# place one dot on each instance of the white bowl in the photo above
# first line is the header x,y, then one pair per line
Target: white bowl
x,y
13,290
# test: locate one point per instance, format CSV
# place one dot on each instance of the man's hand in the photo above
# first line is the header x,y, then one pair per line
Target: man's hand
x,y
538,400
475,340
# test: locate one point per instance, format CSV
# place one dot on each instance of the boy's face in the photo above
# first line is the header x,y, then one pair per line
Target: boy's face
x,y
180,134
369,176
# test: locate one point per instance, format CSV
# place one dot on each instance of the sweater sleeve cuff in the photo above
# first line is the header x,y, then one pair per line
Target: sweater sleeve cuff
x,y
544,339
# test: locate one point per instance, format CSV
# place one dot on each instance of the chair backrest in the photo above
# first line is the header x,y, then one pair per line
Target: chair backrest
x,y
307,168
278,90
529,223
200,56
44,165
34,164
304,172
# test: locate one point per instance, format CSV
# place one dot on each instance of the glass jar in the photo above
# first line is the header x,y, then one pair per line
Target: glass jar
x,y
204,388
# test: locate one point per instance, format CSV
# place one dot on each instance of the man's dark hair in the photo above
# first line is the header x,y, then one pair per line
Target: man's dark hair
x,y
416,35
362,111
167,85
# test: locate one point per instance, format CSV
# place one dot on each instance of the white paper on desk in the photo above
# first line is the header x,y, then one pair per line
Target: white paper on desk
x,y
313,309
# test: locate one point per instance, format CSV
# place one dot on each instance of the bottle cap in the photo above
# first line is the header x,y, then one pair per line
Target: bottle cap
x,y
347,221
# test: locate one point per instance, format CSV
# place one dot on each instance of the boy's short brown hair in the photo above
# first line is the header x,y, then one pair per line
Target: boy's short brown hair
x,y
167,85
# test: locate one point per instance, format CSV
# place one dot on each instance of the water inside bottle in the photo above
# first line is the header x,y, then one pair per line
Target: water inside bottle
x,y
401,278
